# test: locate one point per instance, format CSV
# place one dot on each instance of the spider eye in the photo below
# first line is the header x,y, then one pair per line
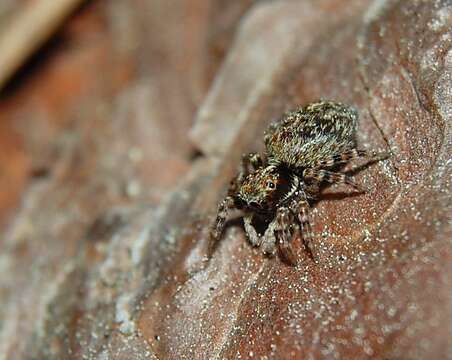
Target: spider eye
x,y
270,185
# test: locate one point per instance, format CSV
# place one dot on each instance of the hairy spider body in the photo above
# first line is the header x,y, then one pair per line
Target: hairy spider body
x,y
278,188
308,135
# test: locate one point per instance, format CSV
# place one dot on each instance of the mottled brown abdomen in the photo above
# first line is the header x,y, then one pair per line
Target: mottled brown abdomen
x,y
308,135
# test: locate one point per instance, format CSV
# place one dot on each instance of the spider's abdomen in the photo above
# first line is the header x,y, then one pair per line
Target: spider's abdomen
x,y
308,135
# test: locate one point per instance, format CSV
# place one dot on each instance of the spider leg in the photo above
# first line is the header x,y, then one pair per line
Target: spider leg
x,y
331,177
253,237
284,235
217,228
268,241
253,160
302,209
350,155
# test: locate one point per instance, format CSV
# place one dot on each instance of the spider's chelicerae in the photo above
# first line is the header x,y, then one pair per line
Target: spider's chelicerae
x,y
304,149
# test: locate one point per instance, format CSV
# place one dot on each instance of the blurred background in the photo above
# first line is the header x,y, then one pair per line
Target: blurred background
x,y
108,74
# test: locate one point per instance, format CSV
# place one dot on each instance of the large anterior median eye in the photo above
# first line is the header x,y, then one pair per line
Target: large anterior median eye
x,y
270,185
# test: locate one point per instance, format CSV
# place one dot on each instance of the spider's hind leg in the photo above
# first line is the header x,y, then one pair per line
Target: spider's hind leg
x,y
350,155
331,177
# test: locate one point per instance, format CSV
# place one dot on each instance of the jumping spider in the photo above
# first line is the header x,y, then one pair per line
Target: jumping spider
x,y
303,150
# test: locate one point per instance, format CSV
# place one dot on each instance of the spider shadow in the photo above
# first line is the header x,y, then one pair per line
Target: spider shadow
x,y
358,168
337,196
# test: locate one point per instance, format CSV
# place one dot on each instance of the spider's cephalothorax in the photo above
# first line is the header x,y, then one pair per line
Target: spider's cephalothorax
x,y
263,189
303,150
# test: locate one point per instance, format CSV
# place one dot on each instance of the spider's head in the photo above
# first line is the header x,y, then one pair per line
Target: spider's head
x,y
261,190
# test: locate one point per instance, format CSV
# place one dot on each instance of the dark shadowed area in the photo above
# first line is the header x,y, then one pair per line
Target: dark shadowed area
x,y
119,138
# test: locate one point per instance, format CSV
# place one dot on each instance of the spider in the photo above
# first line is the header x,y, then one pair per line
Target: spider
x,y
303,151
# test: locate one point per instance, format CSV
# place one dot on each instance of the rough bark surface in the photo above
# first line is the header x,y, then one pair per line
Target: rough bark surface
x,y
117,147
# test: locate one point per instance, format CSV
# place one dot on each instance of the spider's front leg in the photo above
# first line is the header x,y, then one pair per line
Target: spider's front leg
x,y
253,237
283,234
217,228
302,208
